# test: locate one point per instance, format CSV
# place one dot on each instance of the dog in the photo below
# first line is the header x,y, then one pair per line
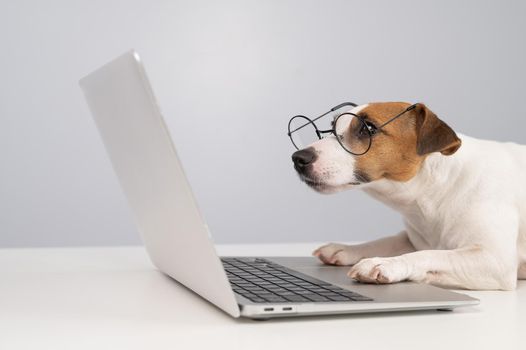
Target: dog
x,y
463,201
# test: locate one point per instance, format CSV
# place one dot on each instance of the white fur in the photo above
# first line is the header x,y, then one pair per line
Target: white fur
x,y
465,219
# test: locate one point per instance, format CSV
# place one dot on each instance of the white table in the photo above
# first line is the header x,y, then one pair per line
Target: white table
x,y
113,298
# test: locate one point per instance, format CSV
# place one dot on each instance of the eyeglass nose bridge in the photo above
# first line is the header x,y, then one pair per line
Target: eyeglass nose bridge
x,y
320,133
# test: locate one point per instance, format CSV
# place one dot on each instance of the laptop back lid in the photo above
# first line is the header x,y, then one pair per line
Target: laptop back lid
x,y
144,158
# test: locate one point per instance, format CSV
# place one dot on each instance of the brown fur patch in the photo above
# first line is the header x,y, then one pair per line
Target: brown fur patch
x,y
433,135
399,148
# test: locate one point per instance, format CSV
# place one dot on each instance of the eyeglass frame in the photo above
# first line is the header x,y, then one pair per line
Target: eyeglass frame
x,y
371,128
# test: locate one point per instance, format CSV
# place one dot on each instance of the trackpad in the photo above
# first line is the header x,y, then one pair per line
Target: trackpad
x,y
313,267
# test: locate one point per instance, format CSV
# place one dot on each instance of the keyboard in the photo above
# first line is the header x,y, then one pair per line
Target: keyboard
x,y
263,281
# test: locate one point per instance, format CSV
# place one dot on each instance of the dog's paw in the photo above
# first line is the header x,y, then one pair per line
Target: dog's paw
x,y
337,254
379,270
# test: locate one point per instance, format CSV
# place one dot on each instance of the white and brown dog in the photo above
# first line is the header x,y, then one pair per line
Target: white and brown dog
x,y
463,201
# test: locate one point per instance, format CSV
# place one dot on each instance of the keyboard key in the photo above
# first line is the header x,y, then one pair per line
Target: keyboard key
x,y
275,299
349,294
304,292
257,300
274,279
287,293
296,298
339,298
248,295
304,284
274,286
316,297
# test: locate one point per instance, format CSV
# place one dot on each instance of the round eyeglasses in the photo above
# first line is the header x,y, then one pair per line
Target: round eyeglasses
x,y
353,132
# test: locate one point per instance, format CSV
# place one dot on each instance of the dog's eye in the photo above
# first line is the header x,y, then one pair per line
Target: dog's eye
x,y
367,128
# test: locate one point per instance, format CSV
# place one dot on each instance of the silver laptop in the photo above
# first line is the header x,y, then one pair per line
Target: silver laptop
x,y
176,235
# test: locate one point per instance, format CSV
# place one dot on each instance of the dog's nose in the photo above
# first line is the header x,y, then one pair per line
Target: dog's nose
x,y
303,158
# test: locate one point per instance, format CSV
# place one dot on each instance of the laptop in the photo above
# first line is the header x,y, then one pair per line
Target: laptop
x,y
178,239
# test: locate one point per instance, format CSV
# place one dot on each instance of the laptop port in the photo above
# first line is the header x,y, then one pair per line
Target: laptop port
x,y
268,309
288,308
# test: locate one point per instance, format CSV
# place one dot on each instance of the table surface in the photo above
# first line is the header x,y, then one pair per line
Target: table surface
x,y
113,298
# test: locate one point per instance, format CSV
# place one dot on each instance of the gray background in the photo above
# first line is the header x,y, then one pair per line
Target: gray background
x,y
228,75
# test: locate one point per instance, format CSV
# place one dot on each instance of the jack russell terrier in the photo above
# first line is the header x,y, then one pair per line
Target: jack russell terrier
x,y
463,200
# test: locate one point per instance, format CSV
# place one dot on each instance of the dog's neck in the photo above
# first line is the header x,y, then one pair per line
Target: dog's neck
x,y
430,185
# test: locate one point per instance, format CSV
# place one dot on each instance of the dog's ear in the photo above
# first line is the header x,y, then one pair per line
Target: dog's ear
x,y
432,134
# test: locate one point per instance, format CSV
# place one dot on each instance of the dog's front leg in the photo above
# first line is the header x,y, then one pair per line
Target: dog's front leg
x,y
469,268
342,254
